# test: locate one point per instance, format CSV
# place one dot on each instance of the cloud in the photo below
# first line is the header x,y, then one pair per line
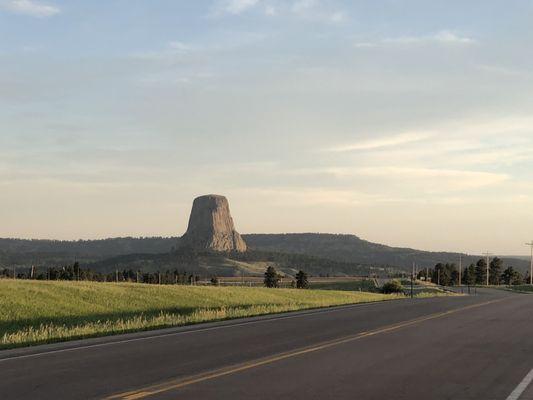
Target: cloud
x,y
456,177
179,46
337,16
316,11
270,10
443,37
362,45
234,7
467,156
171,51
389,141
30,7
311,10
310,196
451,37
504,71
459,179
397,180
302,6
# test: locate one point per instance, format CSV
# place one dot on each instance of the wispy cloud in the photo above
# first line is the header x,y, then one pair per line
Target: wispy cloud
x,y
443,37
179,46
317,11
270,10
281,196
385,183
233,7
170,51
452,179
337,16
31,8
505,71
312,10
302,6
379,143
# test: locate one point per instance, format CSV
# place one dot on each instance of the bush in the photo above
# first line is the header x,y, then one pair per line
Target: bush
x,y
392,287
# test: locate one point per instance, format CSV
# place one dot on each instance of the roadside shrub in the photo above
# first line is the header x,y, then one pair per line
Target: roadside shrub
x,y
392,287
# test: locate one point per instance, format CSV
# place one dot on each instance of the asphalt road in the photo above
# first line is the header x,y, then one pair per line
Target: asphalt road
x,y
472,347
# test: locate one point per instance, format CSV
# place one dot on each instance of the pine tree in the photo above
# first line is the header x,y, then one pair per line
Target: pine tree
x,y
469,275
271,278
301,280
481,272
511,276
495,271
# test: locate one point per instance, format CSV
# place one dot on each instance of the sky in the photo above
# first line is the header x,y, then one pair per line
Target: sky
x,y
408,123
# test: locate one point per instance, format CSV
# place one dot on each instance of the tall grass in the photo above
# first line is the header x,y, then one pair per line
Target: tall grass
x,y
519,288
34,312
366,285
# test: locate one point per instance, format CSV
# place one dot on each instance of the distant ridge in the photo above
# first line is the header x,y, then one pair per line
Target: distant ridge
x,y
344,248
350,248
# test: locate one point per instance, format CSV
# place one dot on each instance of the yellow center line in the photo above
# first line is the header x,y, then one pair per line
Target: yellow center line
x,y
182,382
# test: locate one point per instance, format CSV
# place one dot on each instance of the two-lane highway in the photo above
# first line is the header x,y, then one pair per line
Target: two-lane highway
x,y
471,347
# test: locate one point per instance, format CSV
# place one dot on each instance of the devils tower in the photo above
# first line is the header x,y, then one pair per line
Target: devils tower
x,y
211,226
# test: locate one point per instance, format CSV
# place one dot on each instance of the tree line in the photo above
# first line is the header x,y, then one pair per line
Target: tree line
x,y
75,273
273,278
474,274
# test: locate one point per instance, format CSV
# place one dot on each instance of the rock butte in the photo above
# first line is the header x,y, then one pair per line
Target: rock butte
x,y
211,226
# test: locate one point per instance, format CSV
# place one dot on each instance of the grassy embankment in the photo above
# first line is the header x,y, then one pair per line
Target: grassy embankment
x,y
35,312
517,288
365,285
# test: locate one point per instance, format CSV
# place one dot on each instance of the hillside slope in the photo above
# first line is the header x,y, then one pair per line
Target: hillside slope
x,y
253,262
342,248
350,248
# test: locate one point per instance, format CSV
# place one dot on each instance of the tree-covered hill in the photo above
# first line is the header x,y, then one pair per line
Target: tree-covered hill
x,y
350,248
252,262
341,248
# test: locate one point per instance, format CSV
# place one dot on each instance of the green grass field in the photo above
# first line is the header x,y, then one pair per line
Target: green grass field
x,y
366,285
34,312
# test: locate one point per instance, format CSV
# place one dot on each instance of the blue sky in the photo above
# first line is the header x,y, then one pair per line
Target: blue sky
x,y
405,122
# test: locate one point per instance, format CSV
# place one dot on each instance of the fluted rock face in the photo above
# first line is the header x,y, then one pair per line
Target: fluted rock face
x,y
211,226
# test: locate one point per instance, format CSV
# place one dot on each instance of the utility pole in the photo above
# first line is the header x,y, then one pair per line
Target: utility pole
x,y
487,254
531,267
460,268
412,279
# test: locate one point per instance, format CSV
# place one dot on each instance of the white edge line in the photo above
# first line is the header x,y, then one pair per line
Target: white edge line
x,y
522,386
302,313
